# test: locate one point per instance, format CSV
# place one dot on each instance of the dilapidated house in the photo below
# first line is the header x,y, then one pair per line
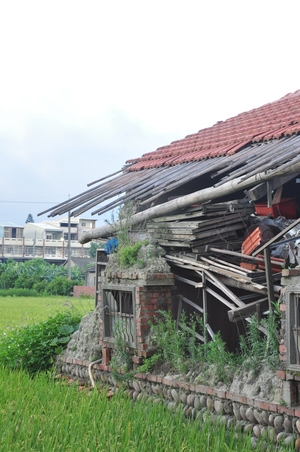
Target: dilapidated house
x,y
223,203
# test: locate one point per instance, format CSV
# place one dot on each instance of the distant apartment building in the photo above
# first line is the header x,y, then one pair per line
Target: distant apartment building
x,y
47,240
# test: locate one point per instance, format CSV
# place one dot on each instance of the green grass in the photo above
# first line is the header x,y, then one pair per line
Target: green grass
x,y
21,311
41,414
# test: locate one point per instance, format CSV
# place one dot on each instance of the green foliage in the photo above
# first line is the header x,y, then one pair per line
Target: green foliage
x,y
94,247
181,347
36,274
19,293
61,286
32,348
128,255
259,349
121,358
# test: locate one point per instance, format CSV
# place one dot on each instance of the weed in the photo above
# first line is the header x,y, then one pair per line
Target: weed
x,y
121,358
128,255
258,349
34,346
181,346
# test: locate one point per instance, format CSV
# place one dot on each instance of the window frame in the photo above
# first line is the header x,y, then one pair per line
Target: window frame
x,y
109,316
292,296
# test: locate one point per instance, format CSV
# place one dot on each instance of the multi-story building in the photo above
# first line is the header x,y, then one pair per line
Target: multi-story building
x,y
47,240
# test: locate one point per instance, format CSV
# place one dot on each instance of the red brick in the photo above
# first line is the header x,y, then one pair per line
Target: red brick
x,y
137,360
167,381
139,376
286,410
219,393
239,398
262,405
297,412
229,395
282,348
105,355
200,389
183,385
282,307
152,378
281,374
273,407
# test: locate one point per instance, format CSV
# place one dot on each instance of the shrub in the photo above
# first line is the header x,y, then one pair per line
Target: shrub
x,y
33,347
128,255
12,292
61,285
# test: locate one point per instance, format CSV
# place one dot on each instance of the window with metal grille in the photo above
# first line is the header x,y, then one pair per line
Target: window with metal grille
x,y
119,313
293,328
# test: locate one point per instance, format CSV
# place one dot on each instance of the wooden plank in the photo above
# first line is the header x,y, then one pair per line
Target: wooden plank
x,y
260,190
237,314
224,289
210,331
233,268
269,277
189,281
204,298
186,328
220,298
191,303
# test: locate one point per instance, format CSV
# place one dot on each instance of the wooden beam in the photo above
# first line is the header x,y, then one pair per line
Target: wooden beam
x,y
240,313
220,298
269,277
191,303
260,190
189,281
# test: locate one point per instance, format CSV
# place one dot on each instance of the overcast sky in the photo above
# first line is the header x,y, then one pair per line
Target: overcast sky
x,y
86,85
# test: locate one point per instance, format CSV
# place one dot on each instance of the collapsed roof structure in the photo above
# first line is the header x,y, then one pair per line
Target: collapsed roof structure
x,y
217,201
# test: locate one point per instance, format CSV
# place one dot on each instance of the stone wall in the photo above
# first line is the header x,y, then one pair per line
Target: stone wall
x,y
249,414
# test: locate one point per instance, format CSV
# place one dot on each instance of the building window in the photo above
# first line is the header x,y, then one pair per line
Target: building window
x,y
50,251
293,327
83,223
119,313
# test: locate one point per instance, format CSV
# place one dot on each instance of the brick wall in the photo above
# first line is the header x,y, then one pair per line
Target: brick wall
x,y
153,292
83,290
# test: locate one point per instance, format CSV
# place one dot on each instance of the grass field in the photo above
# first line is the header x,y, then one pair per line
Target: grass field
x,y
18,311
43,414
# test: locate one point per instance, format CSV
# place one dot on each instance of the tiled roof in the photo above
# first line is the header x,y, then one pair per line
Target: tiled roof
x,y
271,121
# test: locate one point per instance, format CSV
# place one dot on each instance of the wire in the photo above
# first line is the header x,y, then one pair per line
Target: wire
x,y
31,202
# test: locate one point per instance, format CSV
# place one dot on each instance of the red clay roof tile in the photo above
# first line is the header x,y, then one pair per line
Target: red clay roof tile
x,y
271,121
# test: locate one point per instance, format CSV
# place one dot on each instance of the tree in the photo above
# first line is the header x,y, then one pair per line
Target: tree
x,y
93,248
29,219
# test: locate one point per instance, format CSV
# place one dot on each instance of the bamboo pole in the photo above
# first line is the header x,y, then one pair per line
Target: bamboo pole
x,y
203,195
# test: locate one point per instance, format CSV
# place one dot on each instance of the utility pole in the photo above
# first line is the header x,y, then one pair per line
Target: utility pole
x,y
69,245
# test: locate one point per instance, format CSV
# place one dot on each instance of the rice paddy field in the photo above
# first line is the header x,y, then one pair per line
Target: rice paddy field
x,y
18,311
45,413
